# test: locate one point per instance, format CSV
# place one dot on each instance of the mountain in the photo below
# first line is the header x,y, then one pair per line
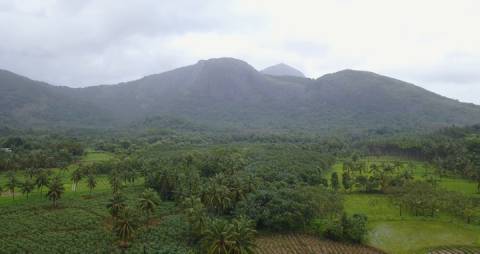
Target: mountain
x,y
28,103
230,94
282,70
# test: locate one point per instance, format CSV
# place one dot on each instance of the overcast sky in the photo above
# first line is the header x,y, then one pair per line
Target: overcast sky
x,y
432,43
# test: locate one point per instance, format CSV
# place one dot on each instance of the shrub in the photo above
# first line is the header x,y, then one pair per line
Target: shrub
x,y
347,229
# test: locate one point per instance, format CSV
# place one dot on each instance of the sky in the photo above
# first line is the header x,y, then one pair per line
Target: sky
x,y
431,43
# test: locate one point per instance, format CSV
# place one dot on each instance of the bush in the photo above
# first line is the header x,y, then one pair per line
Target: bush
x,y
281,208
355,228
346,229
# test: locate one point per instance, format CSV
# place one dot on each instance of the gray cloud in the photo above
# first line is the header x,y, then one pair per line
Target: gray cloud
x,y
87,42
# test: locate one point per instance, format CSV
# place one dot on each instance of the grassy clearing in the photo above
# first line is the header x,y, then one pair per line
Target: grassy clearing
x,y
82,188
405,237
95,156
409,234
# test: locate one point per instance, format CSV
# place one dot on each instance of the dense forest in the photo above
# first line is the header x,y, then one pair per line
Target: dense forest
x,y
220,192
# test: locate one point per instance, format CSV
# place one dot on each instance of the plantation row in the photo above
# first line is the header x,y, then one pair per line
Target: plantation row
x,y
307,244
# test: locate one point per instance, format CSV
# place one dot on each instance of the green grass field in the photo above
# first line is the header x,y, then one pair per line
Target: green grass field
x,y
82,189
417,236
408,234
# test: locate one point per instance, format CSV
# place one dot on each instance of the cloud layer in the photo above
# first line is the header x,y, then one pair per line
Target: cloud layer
x,y
434,44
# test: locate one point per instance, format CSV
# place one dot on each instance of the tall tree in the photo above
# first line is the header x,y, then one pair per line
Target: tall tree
x,y
334,181
55,190
115,181
217,196
12,182
91,182
42,180
76,177
125,226
244,236
116,204
27,187
147,203
219,238
346,181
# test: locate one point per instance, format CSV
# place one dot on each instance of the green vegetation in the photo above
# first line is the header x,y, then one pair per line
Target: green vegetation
x,y
214,96
420,235
156,193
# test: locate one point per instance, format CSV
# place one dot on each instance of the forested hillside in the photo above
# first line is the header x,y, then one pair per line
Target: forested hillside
x,y
228,93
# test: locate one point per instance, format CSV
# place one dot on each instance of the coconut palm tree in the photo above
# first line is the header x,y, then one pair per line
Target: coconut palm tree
x,y
76,177
147,203
91,182
27,187
125,226
63,168
12,183
42,180
116,204
55,190
196,214
30,172
216,197
244,236
219,238
115,181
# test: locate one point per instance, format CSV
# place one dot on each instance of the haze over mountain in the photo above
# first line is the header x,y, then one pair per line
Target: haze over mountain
x,y
227,92
282,70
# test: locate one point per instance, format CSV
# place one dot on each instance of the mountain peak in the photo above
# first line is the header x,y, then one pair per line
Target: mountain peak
x,y
225,62
282,69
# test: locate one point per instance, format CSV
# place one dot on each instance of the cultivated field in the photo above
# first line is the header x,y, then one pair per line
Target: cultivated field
x,y
305,244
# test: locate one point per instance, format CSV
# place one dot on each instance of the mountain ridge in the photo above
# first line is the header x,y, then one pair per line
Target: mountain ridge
x,y
227,92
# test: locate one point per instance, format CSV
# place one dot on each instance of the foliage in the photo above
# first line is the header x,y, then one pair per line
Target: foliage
x,y
351,229
55,190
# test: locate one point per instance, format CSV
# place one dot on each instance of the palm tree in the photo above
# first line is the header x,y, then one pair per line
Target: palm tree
x,y
116,204
91,182
147,202
125,226
334,181
42,180
115,181
244,238
196,214
219,238
216,197
12,183
63,168
30,172
27,187
76,177
55,190
167,183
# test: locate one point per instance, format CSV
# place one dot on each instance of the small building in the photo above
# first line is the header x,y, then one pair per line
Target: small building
x,y
6,150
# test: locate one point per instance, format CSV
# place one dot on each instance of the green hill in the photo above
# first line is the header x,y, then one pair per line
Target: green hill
x,y
229,93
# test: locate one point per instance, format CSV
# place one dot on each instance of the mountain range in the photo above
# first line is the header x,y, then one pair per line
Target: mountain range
x,y
229,93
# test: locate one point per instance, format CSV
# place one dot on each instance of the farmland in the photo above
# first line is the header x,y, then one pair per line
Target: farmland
x,y
269,197
305,244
